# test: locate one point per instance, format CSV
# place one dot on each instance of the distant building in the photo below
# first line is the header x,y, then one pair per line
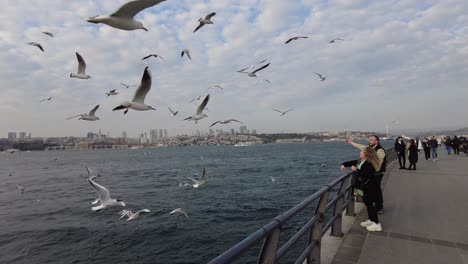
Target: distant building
x,y
254,132
153,135
165,133
247,131
22,135
233,131
124,135
211,131
90,136
29,136
160,133
11,135
243,129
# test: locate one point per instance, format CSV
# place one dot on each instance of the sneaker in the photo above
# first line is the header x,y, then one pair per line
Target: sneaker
x,y
374,227
381,211
367,223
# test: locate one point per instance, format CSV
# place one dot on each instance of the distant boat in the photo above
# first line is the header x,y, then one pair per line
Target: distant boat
x,y
136,147
243,144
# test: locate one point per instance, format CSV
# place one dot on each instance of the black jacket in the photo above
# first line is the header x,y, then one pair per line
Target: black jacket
x,y
366,174
400,147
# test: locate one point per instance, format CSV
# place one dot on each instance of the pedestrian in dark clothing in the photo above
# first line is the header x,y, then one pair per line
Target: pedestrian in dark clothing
x,y
434,145
400,150
367,184
456,143
427,149
413,154
448,145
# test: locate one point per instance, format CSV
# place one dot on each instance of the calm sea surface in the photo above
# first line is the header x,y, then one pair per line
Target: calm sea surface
x,y
53,222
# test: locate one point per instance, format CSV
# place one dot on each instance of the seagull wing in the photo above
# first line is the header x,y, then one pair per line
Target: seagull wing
x,y
144,58
277,110
289,40
319,75
48,34
81,64
43,100
261,68
188,54
289,110
101,191
234,120
214,123
112,91
74,116
130,9
93,111
161,58
90,172
267,81
192,179
209,16
172,112
144,87
199,26
202,106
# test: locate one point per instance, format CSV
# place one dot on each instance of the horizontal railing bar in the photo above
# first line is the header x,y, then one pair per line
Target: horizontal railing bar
x,y
296,237
329,224
306,252
333,201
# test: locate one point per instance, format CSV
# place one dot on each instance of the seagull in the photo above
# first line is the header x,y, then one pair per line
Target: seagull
x,y
88,117
81,68
123,17
127,85
48,34
20,187
215,86
131,215
206,20
185,51
196,98
272,179
264,80
104,197
173,113
252,74
199,182
112,92
226,122
153,55
321,77
334,40
36,45
91,174
138,101
180,211
199,114
46,99
295,38
283,113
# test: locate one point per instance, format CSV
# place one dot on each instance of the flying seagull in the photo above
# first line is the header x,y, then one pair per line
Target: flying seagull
x,y
81,69
283,112
138,101
173,113
91,174
295,38
321,77
215,86
48,34
223,122
153,55
204,21
180,211
123,17
112,92
253,73
199,113
335,40
196,98
35,44
264,80
131,215
201,181
104,197
20,187
186,52
88,117
127,85
46,99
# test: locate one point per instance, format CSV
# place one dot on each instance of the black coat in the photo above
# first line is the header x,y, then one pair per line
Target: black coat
x,y
400,147
366,175
413,154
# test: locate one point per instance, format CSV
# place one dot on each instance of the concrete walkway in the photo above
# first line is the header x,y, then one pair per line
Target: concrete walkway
x,y
425,219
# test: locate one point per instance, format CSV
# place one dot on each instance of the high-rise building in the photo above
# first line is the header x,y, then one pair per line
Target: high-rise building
x,y
153,135
165,133
22,135
233,131
243,129
90,136
11,135
160,133
29,136
124,135
211,131
254,132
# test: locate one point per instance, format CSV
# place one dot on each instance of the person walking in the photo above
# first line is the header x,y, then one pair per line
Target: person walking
x,y
456,143
427,149
448,145
374,142
400,150
413,154
434,144
367,184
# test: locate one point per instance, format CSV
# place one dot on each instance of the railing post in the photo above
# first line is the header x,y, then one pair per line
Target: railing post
x,y
268,252
336,229
316,230
350,209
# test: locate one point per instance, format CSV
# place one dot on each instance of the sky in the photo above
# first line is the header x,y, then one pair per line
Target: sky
x,y
400,60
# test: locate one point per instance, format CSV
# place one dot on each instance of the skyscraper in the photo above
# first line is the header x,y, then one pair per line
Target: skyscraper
x,y
232,131
160,133
254,132
90,136
165,133
11,135
243,129
22,135
153,135
124,135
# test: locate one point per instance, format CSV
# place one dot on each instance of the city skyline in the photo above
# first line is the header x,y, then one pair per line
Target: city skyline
x,y
409,65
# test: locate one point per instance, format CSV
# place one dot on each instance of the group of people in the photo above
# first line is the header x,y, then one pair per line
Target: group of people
x,y
454,144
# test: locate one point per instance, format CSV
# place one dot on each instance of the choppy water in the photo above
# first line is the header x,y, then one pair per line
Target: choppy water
x,y
238,199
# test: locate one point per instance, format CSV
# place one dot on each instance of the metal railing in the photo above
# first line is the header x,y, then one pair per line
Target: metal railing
x,y
315,228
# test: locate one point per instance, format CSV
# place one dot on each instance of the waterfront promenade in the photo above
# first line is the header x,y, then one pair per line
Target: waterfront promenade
x,y
425,219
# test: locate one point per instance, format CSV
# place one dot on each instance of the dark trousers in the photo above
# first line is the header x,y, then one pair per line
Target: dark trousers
x,y
456,150
427,153
402,159
370,202
378,192
412,164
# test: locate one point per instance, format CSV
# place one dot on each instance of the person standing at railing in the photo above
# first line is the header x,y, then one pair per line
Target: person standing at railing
x,y
367,184
434,144
400,150
374,142
413,155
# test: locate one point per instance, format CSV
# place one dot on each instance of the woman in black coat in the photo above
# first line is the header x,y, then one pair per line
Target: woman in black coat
x,y
367,184
413,155
400,149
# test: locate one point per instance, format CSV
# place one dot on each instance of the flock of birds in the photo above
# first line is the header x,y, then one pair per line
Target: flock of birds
x,y
123,19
